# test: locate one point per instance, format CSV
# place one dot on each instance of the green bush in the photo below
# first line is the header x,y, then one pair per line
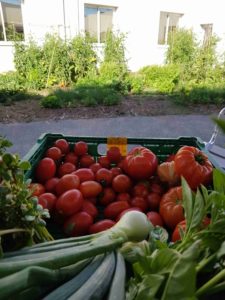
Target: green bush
x,y
137,83
86,93
162,79
200,95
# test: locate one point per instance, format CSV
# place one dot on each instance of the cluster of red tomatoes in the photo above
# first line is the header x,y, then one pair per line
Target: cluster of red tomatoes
x,y
87,195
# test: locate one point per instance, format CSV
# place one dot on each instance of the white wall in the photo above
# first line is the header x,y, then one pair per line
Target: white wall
x,y
6,57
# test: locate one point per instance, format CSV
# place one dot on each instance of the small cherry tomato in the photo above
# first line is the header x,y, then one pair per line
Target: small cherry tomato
x,y
140,189
69,202
71,157
155,218
140,202
104,161
80,148
66,168
63,145
90,208
85,174
51,184
86,160
116,171
121,183
114,209
95,167
90,189
101,226
78,224
45,169
123,197
37,188
47,200
54,152
114,155
104,177
67,182
153,200
107,196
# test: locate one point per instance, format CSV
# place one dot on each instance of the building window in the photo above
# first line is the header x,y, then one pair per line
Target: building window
x,y
207,33
11,24
168,22
98,20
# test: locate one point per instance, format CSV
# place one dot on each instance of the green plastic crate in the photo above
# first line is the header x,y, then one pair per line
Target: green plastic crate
x,y
162,147
98,146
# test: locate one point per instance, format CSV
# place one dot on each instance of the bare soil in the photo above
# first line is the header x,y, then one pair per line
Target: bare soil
x,y
30,110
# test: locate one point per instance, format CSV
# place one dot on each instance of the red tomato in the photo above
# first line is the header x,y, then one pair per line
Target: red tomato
x,y
90,208
140,202
90,189
194,166
104,176
101,226
114,209
80,148
153,200
104,162
67,182
66,168
78,224
123,197
93,200
155,218
140,163
156,186
116,171
63,145
46,169
166,173
37,188
121,183
114,155
69,202
51,184
85,174
86,160
72,158
126,210
176,232
170,157
140,189
107,196
54,152
95,167
47,200
170,207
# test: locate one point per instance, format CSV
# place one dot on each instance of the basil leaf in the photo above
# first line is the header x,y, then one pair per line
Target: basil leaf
x,y
187,201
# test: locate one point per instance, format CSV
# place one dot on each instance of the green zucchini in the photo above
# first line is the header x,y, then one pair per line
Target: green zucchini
x,y
117,288
96,287
67,289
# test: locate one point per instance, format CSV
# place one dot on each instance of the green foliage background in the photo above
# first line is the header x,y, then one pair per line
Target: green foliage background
x,y
192,73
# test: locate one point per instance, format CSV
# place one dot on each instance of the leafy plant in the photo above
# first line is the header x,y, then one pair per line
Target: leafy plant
x,y
21,217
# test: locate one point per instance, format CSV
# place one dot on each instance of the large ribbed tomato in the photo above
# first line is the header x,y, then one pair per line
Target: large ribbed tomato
x,y
193,165
140,163
170,207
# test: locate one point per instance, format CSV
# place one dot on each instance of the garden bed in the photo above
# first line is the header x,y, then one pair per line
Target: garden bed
x,y
30,110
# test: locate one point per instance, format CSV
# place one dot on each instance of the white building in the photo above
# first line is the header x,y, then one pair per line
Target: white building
x,y
146,23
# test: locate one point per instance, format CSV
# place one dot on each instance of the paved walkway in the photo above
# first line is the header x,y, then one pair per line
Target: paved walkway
x,y
24,135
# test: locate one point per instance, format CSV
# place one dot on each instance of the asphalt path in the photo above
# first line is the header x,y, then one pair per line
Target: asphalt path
x,y
24,135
